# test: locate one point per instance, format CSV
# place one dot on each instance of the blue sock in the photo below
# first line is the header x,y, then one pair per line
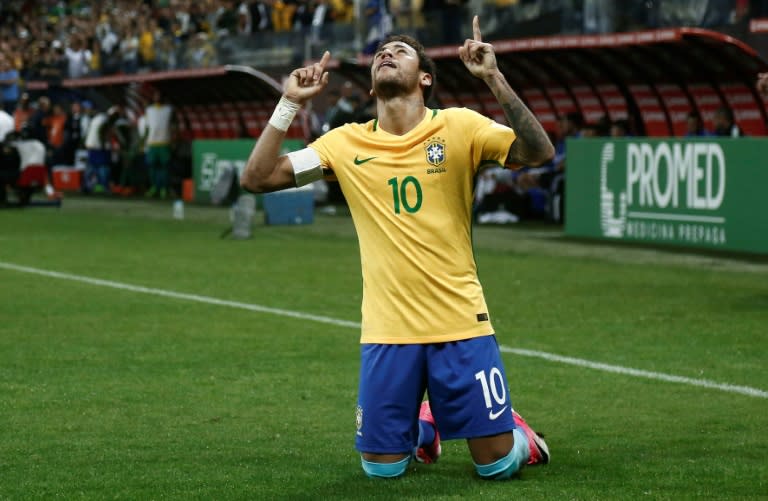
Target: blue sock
x,y
426,433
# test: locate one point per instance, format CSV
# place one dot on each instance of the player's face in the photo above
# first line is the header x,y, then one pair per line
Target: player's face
x,y
395,70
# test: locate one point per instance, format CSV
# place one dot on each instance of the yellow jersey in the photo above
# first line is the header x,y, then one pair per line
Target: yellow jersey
x,y
410,197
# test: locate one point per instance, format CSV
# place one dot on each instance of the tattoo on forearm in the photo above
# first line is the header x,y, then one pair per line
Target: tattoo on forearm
x,y
532,139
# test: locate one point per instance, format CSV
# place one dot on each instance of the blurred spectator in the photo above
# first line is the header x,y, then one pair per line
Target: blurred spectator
x,y
762,84
282,14
550,177
725,125
261,15
344,109
244,19
10,166
85,120
97,173
73,133
498,198
130,156
23,113
599,16
694,125
9,83
32,153
343,11
78,58
197,20
50,65
106,35
129,49
200,52
227,18
322,15
37,123
55,124
166,53
302,18
446,19
158,121
619,128
453,15
6,125
378,24
96,64
147,42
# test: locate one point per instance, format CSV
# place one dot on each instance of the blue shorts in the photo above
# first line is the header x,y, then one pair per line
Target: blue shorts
x,y
465,381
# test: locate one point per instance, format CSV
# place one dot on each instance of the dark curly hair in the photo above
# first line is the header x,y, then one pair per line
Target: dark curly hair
x,y
426,64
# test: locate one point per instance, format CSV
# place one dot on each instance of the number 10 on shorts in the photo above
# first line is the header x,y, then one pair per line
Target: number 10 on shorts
x,y
494,388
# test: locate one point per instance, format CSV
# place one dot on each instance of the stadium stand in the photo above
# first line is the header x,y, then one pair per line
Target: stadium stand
x,y
652,78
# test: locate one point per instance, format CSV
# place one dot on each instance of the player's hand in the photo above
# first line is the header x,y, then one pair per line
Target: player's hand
x,y
762,84
305,83
477,56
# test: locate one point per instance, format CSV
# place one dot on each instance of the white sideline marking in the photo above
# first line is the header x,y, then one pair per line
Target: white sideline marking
x,y
627,371
180,295
616,369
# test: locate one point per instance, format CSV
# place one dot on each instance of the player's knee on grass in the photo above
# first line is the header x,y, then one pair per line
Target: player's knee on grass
x,y
510,464
385,470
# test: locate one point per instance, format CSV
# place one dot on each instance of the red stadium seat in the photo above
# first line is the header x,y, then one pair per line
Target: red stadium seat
x,y
614,101
746,109
707,101
541,107
651,112
561,100
589,104
492,109
677,105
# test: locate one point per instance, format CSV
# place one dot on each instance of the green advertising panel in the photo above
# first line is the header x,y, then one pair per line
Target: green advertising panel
x,y
705,192
211,155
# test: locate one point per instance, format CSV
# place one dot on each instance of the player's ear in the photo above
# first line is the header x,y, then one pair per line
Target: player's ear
x,y
372,93
426,79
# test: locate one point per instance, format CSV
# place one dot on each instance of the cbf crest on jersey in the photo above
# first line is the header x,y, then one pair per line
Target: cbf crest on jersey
x,y
435,150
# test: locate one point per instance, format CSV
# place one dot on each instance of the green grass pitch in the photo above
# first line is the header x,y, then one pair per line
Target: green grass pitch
x,y
113,390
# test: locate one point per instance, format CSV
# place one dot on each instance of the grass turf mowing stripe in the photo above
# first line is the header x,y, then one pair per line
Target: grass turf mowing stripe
x,y
616,369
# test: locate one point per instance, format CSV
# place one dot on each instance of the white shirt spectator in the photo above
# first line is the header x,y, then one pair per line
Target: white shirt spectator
x,y
78,62
129,47
244,12
31,152
157,120
92,139
6,124
109,41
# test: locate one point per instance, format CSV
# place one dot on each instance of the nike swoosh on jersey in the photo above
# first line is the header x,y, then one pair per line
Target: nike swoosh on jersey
x,y
360,161
494,415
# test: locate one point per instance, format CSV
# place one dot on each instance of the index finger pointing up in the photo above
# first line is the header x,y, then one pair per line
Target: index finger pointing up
x,y
324,60
476,29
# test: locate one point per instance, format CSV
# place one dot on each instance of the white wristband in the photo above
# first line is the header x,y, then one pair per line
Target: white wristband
x,y
283,114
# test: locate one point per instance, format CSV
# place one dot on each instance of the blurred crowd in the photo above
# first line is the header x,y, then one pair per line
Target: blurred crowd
x,y
114,151
58,39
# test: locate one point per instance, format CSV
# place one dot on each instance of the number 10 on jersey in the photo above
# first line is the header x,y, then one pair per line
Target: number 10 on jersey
x,y
401,195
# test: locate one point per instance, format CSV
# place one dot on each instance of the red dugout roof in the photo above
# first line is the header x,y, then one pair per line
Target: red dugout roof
x,y
653,78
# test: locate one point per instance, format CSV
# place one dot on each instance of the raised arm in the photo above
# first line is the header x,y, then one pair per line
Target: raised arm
x,y
267,170
532,146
